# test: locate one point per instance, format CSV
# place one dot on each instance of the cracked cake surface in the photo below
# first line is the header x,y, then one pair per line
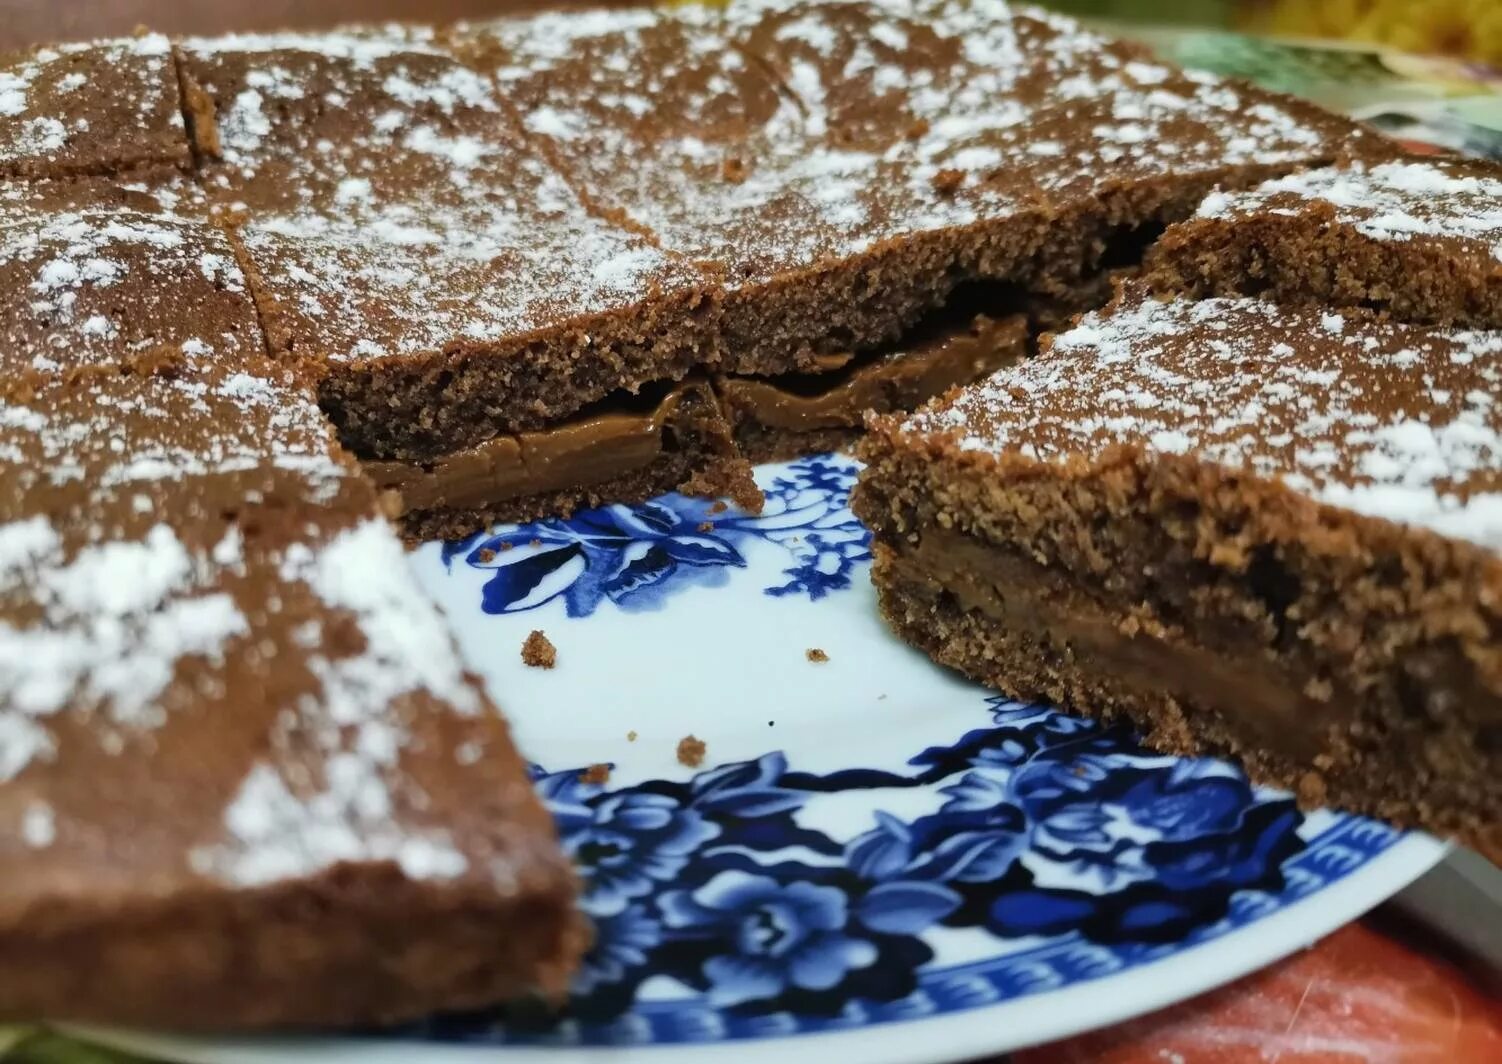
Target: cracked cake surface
x,y
843,165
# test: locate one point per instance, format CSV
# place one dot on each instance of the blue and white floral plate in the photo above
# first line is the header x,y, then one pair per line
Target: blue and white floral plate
x,y
876,858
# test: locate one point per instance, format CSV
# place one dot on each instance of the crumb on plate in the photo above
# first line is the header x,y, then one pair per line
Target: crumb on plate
x,y
595,774
538,652
691,751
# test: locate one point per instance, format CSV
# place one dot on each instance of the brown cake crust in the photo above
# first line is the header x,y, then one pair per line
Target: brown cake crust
x,y
1419,239
1348,657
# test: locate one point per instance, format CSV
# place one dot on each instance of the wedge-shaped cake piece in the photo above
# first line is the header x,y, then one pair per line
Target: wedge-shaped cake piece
x,y
244,779
96,274
1253,531
1418,238
100,107
443,279
845,165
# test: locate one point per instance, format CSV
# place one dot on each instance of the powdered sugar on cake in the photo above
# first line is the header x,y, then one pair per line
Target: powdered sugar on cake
x,y
183,550
413,218
115,620
1390,421
800,130
85,267
75,108
278,829
1398,201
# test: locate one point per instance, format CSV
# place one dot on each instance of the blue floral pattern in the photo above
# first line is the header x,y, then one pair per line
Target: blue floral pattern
x,y
1050,826
721,908
636,556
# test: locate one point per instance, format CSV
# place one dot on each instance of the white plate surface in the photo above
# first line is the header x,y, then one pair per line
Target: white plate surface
x,y
876,859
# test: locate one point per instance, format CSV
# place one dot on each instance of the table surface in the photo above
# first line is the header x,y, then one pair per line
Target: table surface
x,y
1391,987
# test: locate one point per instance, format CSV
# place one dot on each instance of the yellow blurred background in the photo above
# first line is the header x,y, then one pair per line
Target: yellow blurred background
x,y
1462,29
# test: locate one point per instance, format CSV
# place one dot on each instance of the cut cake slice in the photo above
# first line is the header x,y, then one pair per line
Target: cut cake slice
x,y
91,108
443,280
1253,531
1420,239
244,778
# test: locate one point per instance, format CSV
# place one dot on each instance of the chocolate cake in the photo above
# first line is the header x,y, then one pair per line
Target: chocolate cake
x,y
261,290
441,278
1255,531
843,166
1419,239
104,107
244,778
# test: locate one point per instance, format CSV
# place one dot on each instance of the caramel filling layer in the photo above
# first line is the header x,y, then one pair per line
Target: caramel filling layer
x,y
628,435
899,380
1256,696
578,453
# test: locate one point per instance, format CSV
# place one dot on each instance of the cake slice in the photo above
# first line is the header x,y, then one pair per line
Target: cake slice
x,y
245,780
90,108
1418,238
444,282
1253,531
845,166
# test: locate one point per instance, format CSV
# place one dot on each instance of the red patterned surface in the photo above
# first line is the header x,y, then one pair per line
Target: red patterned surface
x,y
1358,996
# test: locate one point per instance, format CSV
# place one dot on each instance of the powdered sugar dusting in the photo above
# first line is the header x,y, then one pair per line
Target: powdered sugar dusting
x,y
96,280
880,119
115,620
416,217
38,826
276,834
90,108
1396,201
1389,421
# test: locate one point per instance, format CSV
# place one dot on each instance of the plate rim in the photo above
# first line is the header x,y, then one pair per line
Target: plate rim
x,y
965,1034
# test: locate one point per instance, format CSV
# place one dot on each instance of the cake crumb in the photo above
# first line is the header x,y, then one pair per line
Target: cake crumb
x,y
706,526
691,751
485,555
595,774
631,736
948,182
506,544
538,652
1312,790
816,655
733,170
534,542
719,506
